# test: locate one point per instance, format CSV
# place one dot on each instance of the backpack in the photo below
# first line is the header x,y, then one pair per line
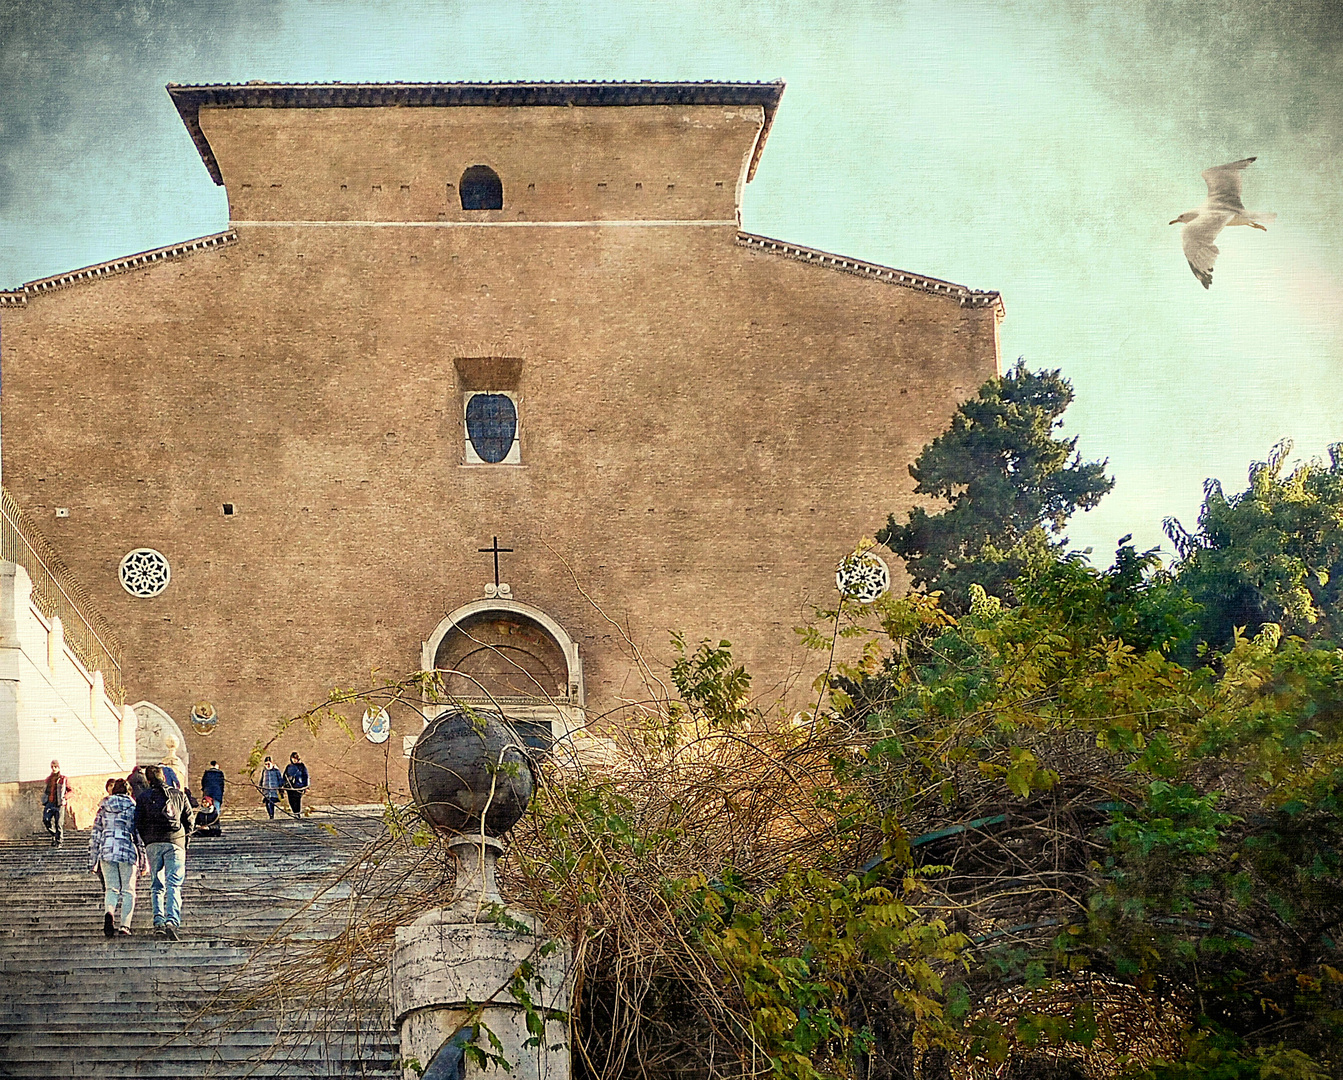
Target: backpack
x,y
158,812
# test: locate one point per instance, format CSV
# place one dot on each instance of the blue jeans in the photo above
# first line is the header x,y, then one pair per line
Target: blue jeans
x,y
119,879
167,871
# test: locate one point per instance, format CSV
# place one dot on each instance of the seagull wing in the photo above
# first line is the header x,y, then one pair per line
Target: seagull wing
x,y
1224,184
1199,248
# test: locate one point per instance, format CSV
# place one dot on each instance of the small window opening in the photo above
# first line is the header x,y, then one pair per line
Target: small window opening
x,y
481,189
491,428
405,187
228,509
638,186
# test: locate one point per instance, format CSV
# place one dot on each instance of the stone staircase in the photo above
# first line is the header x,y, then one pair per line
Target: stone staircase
x,y
74,1003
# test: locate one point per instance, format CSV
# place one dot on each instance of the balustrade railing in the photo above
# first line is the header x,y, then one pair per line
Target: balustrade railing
x,y
57,594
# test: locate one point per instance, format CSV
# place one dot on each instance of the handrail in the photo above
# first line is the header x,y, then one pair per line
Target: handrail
x,y
57,594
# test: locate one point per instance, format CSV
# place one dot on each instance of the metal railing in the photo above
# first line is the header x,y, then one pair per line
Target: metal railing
x,y
57,594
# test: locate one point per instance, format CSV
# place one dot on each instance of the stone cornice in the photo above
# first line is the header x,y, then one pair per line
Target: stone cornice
x,y
965,297
18,297
264,95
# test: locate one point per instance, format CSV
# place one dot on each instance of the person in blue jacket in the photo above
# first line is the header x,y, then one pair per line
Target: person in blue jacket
x,y
270,784
295,783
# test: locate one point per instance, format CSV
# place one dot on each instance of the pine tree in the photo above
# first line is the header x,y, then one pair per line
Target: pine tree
x,y
1010,485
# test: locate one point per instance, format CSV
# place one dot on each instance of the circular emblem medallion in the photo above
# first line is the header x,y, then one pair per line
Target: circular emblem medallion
x,y
203,718
862,577
377,725
144,572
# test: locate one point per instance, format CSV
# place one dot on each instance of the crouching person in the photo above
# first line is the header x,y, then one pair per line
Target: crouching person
x,y
207,818
164,820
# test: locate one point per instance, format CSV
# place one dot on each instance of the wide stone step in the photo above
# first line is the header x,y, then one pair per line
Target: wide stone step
x,y
74,1003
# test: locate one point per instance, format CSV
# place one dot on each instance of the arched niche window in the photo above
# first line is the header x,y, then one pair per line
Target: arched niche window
x,y
501,654
481,189
506,655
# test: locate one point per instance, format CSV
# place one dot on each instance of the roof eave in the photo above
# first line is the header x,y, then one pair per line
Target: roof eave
x,y
261,95
963,295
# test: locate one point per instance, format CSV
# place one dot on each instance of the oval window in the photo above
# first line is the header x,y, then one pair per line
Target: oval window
x,y
491,425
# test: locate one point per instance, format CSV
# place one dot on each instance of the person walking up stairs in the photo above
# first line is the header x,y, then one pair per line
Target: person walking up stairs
x,y
75,1004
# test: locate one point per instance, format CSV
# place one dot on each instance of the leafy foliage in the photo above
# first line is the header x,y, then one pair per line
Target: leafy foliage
x,y
1105,810
1010,485
1270,554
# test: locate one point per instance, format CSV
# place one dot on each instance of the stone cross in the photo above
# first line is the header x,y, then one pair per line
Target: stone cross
x,y
503,591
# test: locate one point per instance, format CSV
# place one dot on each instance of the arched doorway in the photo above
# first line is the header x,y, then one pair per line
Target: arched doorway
x,y
509,656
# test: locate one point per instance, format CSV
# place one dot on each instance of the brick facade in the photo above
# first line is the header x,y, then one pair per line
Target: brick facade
x,y
708,419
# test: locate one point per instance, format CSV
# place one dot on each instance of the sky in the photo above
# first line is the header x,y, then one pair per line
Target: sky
x,y
1036,148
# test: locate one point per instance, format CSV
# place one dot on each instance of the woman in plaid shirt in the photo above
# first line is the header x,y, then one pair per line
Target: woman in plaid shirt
x,y
116,850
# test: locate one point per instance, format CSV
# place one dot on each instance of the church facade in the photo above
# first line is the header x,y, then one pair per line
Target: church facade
x,y
450,324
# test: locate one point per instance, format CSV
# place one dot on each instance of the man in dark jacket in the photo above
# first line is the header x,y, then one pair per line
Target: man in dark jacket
x,y
212,801
163,818
53,804
212,784
295,783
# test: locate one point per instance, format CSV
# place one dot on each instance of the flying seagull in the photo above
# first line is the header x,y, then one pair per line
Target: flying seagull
x,y
1223,208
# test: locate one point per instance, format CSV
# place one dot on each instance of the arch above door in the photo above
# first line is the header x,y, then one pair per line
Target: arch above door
x,y
514,657
152,728
512,611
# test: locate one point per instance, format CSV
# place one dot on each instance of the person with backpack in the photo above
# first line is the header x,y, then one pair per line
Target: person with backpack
x,y
270,784
164,818
295,783
53,804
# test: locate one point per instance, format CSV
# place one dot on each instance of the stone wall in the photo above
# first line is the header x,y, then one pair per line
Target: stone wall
x,y
707,423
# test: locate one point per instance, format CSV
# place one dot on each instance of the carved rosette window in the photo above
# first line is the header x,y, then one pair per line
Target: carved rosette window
x,y
144,572
862,577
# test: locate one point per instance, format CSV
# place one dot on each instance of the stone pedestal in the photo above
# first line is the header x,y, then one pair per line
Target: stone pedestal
x,y
477,973
460,974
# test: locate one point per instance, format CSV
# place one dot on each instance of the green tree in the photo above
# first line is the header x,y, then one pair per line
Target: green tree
x,y
1272,553
1010,484
1116,827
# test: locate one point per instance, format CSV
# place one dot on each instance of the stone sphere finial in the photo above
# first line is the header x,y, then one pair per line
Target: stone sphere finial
x,y
469,773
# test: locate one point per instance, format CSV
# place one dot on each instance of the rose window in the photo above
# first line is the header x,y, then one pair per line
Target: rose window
x,y
862,577
144,572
